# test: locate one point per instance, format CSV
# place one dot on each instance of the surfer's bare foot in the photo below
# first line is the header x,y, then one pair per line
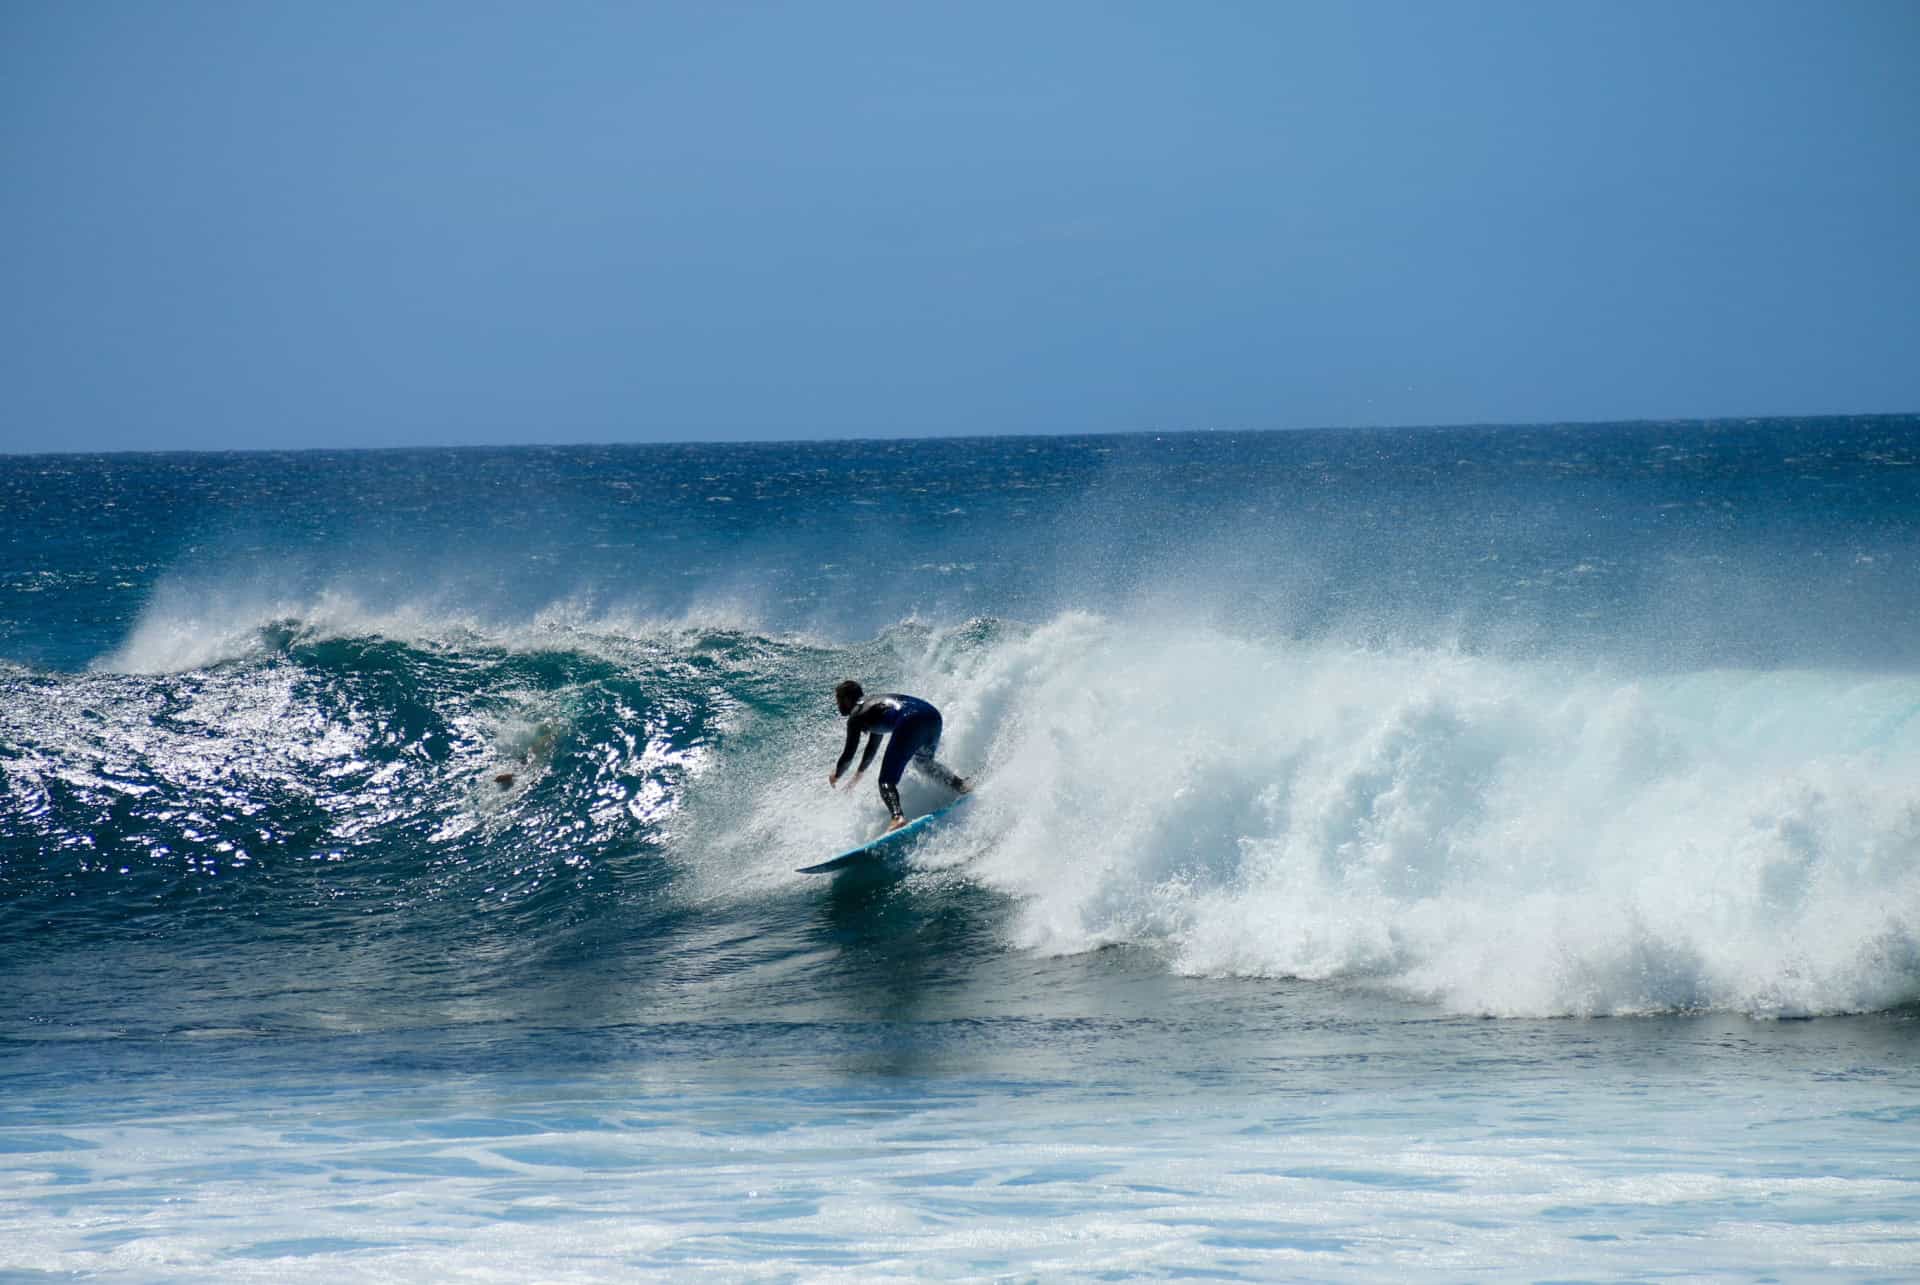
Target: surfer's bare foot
x,y
895,824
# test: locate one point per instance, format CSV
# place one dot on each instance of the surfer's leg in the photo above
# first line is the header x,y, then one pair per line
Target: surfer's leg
x,y
901,746
911,742
940,772
924,760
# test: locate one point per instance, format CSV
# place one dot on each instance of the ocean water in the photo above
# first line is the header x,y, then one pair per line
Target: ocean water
x,y
1474,854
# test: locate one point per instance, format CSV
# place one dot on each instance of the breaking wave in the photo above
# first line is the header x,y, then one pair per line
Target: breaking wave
x,y
1489,835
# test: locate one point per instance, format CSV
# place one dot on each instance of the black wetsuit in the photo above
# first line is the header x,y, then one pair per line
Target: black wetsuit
x,y
913,727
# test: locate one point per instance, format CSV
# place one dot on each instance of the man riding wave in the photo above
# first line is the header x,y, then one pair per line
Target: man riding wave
x,y
914,728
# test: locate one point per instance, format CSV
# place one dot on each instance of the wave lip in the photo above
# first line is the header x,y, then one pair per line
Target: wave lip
x,y
183,629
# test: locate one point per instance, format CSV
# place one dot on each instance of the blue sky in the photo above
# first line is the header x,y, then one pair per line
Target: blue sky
x,y
281,224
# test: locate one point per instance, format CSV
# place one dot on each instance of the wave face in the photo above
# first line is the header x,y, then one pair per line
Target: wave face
x,y
1480,720
440,801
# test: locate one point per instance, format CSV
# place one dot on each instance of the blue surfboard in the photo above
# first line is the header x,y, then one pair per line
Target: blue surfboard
x,y
891,844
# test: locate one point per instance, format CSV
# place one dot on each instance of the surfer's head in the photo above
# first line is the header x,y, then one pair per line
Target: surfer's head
x,y
847,694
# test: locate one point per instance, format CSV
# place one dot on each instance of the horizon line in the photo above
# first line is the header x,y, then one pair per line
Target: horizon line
x,y
585,443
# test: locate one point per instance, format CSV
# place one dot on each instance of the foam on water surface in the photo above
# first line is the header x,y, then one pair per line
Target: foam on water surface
x,y
1346,1152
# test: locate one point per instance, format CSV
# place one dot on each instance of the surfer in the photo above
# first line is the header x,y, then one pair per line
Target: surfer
x,y
914,727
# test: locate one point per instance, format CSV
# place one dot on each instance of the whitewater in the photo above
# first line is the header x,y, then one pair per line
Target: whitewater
x,y
1488,853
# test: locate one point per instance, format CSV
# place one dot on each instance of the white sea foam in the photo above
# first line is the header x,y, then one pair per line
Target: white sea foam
x,y
488,1180
1500,838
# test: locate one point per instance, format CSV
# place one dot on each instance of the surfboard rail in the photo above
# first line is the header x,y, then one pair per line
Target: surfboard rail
x,y
886,845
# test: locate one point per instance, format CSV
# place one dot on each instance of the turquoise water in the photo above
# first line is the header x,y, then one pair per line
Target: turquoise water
x,y
1489,854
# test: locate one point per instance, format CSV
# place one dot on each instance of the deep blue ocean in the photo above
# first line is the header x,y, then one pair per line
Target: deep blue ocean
x,y
1463,854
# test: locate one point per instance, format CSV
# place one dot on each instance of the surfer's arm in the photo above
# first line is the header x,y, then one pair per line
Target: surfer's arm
x,y
846,754
873,747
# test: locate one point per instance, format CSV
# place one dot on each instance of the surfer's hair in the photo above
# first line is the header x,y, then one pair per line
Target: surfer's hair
x,y
847,693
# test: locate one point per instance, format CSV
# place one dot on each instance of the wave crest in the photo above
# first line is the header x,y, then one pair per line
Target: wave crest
x,y
184,628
